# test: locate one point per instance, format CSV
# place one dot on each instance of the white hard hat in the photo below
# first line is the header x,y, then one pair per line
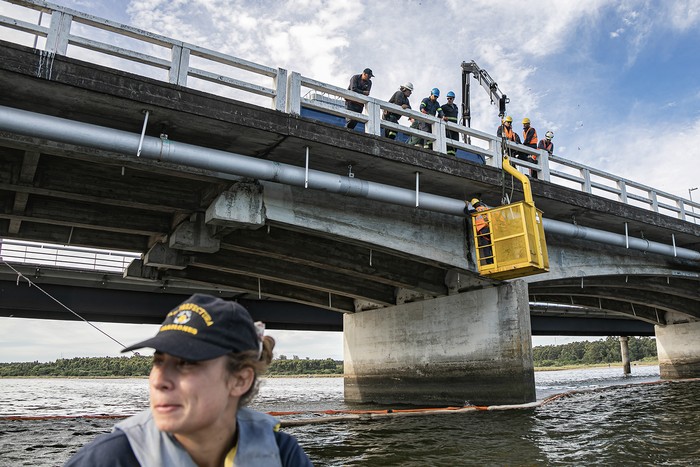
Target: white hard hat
x,y
549,135
408,85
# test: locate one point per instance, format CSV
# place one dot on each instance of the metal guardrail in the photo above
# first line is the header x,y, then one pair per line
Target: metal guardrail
x,y
42,254
73,33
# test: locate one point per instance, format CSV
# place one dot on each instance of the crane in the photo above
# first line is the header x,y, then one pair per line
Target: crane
x,y
487,83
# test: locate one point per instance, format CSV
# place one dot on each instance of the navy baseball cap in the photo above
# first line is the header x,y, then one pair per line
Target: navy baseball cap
x,y
368,71
204,327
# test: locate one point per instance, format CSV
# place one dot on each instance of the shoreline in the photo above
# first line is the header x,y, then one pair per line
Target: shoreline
x,y
340,375
595,365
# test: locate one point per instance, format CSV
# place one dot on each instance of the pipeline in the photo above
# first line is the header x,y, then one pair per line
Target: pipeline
x,y
163,149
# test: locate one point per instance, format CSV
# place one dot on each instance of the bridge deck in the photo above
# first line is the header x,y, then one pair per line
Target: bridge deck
x,y
62,193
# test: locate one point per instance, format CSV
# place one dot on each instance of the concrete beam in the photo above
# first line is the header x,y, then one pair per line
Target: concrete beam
x,y
251,286
288,272
468,348
240,207
428,235
162,256
308,248
637,310
194,235
666,301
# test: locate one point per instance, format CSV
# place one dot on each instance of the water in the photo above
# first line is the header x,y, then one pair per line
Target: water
x,y
618,421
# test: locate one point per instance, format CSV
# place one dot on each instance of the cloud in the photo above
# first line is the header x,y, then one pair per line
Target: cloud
x,y
682,15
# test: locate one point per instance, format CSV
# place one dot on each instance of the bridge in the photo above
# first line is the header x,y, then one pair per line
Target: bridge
x,y
219,176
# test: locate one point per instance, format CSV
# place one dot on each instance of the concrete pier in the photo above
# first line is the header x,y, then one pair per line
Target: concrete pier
x,y
625,353
468,348
678,348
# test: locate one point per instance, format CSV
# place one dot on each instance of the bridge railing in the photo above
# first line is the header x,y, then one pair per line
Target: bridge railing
x,y
73,33
76,34
39,254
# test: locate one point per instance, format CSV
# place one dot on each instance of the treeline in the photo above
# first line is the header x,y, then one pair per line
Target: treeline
x,y
93,367
574,353
587,353
82,367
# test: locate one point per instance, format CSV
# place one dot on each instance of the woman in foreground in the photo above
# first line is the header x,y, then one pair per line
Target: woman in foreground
x,y
208,357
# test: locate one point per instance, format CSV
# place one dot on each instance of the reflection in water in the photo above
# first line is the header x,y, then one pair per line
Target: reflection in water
x,y
647,424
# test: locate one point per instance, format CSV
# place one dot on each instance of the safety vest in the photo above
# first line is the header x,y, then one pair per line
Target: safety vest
x,y
530,137
481,220
508,133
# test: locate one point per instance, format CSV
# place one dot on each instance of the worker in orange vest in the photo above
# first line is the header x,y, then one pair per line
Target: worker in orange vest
x,y
506,130
529,140
483,231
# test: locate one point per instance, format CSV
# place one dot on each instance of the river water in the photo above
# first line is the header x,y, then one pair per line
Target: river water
x,y
614,420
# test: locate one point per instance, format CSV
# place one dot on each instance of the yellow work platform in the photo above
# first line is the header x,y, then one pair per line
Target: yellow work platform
x,y
512,244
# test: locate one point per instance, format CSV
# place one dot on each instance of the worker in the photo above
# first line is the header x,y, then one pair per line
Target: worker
x,y
361,84
506,130
429,106
483,231
451,112
546,143
399,98
529,134
529,140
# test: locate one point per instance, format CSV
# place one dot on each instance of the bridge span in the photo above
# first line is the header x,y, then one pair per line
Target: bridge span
x,y
269,205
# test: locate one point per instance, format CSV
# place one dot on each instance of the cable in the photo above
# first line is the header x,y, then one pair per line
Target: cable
x,y
20,275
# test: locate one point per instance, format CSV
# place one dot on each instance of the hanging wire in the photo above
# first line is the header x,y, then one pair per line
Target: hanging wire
x,y
33,284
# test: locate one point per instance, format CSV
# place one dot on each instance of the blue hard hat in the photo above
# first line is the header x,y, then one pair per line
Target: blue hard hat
x,y
435,92
450,94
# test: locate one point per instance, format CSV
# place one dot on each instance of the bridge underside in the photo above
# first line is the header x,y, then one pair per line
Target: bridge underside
x,y
146,304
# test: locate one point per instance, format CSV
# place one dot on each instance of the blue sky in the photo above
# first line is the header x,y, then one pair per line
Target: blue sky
x,y
617,81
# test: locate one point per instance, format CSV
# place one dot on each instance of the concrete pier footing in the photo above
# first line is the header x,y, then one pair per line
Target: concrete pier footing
x,y
678,348
468,348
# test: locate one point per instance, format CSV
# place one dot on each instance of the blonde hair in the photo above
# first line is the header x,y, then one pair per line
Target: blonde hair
x,y
251,359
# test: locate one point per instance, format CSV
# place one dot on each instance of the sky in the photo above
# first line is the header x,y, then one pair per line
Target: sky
x,y
616,81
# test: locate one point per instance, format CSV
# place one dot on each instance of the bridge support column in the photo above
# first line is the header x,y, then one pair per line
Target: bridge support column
x,y
678,347
625,354
469,348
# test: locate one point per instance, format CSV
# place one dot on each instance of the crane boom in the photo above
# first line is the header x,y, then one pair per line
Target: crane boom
x,y
487,83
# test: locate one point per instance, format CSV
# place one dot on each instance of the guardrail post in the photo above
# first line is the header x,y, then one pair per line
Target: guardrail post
x,y
374,123
280,83
622,186
681,210
57,39
179,65
586,184
294,93
654,201
440,143
496,156
544,164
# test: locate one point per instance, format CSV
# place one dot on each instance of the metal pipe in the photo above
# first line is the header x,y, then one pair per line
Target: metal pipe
x,y
609,238
85,134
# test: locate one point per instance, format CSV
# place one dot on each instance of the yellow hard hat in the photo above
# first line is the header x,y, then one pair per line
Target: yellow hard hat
x,y
508,119
526,120
474,201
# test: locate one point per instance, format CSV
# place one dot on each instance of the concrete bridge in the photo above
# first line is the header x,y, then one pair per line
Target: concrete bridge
x,y
254,199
